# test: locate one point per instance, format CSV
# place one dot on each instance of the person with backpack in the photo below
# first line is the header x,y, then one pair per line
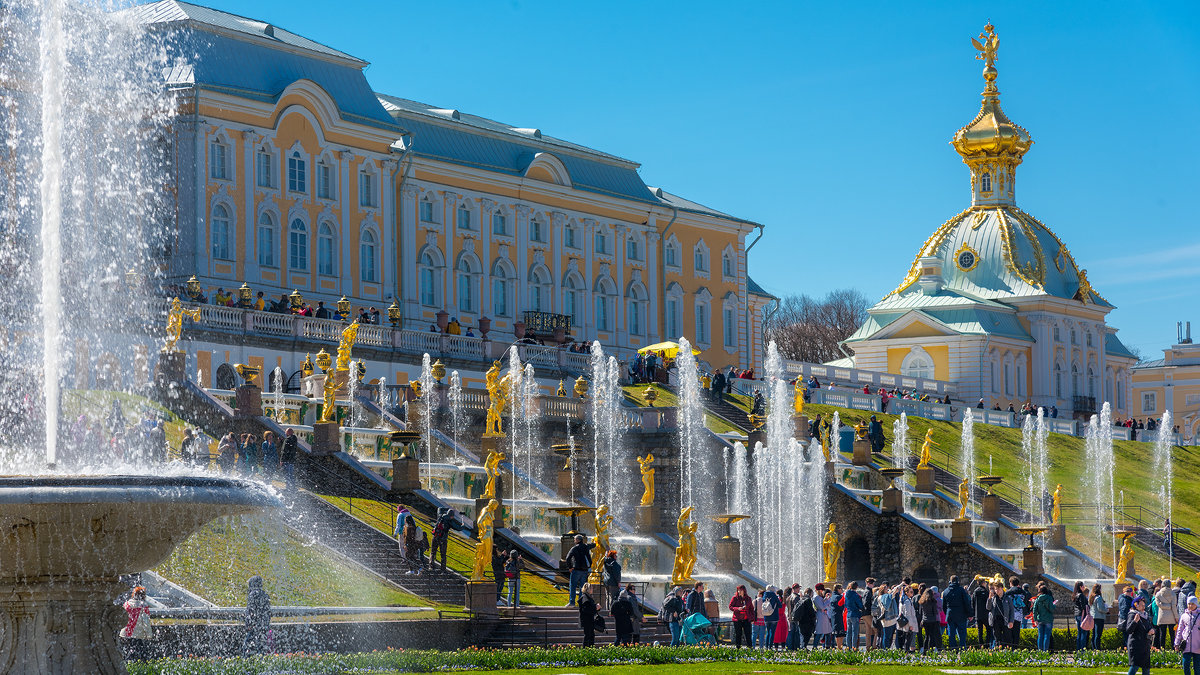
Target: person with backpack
x,y
1187,636
759,627
957,605
1099,610
853,603
671,613
884,610
610,574
770,612
512,572
1013,606
447,520
742,607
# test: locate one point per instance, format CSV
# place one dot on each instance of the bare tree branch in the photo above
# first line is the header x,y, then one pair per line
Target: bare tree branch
x,y
809,329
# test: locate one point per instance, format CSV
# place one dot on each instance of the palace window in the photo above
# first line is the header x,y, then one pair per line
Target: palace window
x,y
671,254
266,240
367,256
1088,338
1149,401
536,231
297,173
985,182
727,266
217,161
673,318
571,299
701,322
499,224
366,188
326,251
601,241
539,290
917,363
429,277
1058,380
604,293
426,210
220,233
466,285
324,181
636,302
700,258
298,246
729,326
464,217
264,169
631,249
570,237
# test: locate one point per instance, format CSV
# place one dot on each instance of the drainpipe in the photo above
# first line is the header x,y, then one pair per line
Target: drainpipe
x,y
406,153
746,336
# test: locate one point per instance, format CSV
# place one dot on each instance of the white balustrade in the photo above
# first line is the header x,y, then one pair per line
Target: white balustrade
x,y
463,347
223,318
271,323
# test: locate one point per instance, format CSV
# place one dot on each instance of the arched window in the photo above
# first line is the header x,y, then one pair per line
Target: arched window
x,y
464,217
298,246
671,253
326,251
917,363
1091,379
604,293
635,315
1008,379
726,265
729,323
703,317
499,224
700,259
466,274
220,233
539,289
430,277
502,278
267,241
985,182
600,240
1058,380
297,173
428,214
1076,388
366,256
572,298
674,311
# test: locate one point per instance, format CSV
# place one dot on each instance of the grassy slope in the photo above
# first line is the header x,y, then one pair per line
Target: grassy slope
x,y
216,562
1001,449
460,552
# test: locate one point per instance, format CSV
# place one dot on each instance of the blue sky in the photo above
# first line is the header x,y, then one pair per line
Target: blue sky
x,y
829,122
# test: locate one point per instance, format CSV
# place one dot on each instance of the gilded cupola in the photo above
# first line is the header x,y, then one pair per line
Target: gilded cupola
x,y
991,145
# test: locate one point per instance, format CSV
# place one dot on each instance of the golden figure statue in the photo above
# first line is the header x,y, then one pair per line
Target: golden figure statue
x,y
492,466
927,449
1056,510
860,431
798,397
831,550
826,447
328,397
647,479
349,336
963,498
685,552
497,388
603,523
483,550
1125,562
175,323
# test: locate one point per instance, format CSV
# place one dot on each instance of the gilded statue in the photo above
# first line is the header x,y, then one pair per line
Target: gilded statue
x,y
989,45
1056,509
492,466
1125,562
927,449
860,431
497,388
484,529
647,479
963,497
831,550
349,336
175,323
826,447
328,397
798,397
685,552
603,523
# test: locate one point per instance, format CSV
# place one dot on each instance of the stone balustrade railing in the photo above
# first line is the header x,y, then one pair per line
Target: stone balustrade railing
x,y
858,378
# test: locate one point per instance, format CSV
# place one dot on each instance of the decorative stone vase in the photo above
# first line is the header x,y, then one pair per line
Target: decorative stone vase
x,y
485,326
443,320
519,329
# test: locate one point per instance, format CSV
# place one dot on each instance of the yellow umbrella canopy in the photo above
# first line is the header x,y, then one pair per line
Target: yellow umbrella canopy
x,y
671,349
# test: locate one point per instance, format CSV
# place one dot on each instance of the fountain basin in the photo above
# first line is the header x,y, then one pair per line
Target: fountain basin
x,y
66,540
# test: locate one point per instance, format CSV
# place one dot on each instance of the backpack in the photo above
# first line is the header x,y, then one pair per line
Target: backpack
x,y
439,530
877,609
770,606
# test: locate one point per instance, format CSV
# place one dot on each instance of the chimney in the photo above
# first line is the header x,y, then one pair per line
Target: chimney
x,y
931,274
1189,333
1178,332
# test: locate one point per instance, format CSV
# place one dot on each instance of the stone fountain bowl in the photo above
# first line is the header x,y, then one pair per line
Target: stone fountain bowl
x,y
65,541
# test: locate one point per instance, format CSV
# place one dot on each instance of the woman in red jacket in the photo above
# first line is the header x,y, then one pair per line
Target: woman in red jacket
x,y
742,607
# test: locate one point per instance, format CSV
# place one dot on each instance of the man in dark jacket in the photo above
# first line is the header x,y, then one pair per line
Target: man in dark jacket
x,y
718,385
875,434
1014,609
814,427
579,562
287,457
1124,602
979,597
805,617
694,602
854,611
622,614
957,605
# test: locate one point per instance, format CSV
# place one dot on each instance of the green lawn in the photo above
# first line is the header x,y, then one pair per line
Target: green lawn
x,y
460,551
216,562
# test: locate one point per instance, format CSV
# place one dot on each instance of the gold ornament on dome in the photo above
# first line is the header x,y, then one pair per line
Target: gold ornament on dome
x,y
967,262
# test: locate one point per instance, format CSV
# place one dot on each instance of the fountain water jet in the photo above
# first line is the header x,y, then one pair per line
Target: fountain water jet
x,y
1164,472
968,454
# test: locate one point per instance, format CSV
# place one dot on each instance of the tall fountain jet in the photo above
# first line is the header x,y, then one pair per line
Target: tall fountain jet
x,y
85,136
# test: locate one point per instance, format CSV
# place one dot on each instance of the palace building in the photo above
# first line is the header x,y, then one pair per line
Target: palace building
x,y
994,300
1171,384
295,175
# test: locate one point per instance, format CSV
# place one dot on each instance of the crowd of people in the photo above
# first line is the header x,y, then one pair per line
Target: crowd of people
x,y
267,459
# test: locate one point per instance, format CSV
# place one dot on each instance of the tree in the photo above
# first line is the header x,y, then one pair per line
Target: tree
x,y
809,329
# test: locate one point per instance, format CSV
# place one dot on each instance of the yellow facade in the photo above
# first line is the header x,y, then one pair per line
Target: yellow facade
x,y
1170,384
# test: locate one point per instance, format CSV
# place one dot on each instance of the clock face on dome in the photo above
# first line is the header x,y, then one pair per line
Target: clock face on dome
x,y
966,259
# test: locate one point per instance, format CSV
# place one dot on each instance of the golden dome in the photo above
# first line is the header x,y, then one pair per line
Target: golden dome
x,y
991,134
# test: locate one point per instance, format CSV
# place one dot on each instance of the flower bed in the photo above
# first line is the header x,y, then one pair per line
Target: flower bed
x,y
479,659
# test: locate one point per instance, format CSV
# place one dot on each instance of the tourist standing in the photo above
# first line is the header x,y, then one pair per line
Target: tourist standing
x,y
1043,616
512,572
694,602
137,631
853,603
805,616
227,453
957,605
1124,603
611,574
907,623
587,613
823,630
1014,610
1138,634
931,623
1187,637
889,614
759,627
447,520
770,612
269,455
837,610
1082,612
1099,609
980,591
621,611
499,559
257,621
579,561
635,605
1166,618
672,612
287,457
742,607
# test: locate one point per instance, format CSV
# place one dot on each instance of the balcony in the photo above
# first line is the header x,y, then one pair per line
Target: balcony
x,y
1084,404
544,324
